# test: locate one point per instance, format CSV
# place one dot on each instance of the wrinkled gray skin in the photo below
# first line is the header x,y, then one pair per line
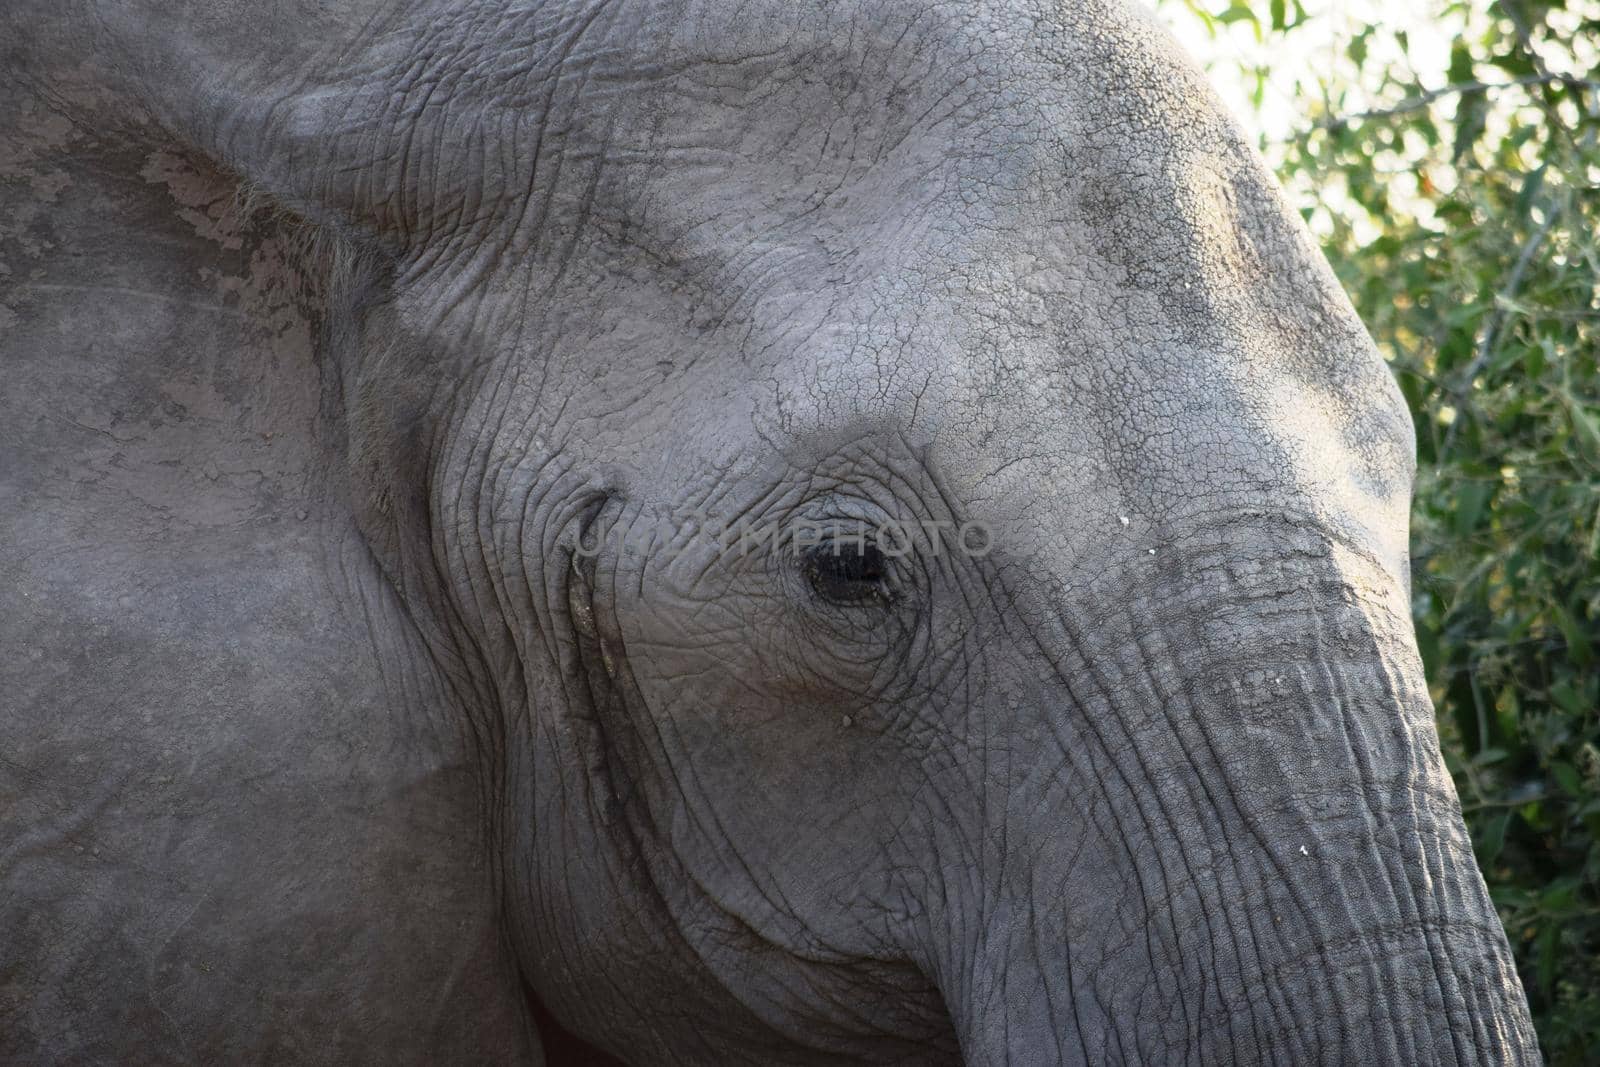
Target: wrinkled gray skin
x,y
320,743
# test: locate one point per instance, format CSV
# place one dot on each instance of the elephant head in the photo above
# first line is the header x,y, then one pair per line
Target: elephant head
x,y
700,532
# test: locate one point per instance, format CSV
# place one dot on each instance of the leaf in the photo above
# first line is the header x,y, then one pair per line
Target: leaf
x,y
1470,501
1566,776
1494,838
1472,118
1585,432
1578,645
1533,359
1236,13
1567,697
1279,12
1461,697
1531,186
1558,896
1357,49
1428,646
1545,953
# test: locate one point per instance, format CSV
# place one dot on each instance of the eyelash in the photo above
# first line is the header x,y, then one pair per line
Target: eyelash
x,y
848,571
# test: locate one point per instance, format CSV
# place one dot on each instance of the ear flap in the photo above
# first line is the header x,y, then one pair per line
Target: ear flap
x,y
239,819
313,106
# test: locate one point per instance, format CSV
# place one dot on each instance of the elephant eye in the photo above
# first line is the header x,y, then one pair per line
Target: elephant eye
x,y
848,570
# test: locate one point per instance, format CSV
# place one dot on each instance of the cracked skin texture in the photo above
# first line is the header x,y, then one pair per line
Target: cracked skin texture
x,y
329,328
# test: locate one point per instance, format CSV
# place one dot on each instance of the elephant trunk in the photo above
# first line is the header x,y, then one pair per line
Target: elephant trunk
x,y
1224,834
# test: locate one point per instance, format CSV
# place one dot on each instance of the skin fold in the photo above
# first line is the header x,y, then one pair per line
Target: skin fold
x,y
376,688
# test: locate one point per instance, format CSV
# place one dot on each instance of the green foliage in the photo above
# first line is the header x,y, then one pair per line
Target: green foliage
x,y
1458,198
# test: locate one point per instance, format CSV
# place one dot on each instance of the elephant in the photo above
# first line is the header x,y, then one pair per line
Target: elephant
x,y
384,384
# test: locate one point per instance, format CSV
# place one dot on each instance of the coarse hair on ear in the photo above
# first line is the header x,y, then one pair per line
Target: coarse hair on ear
x,y
376,395
375,400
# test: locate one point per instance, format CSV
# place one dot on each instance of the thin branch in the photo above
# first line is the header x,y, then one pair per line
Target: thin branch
x,y
1462,391
1540,67
1422,100
1508,295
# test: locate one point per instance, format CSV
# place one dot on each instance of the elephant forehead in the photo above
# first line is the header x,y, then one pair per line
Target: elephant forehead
x,y
709,132
851,132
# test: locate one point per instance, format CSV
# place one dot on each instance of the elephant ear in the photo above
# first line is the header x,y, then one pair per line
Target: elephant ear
x,y
235,821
